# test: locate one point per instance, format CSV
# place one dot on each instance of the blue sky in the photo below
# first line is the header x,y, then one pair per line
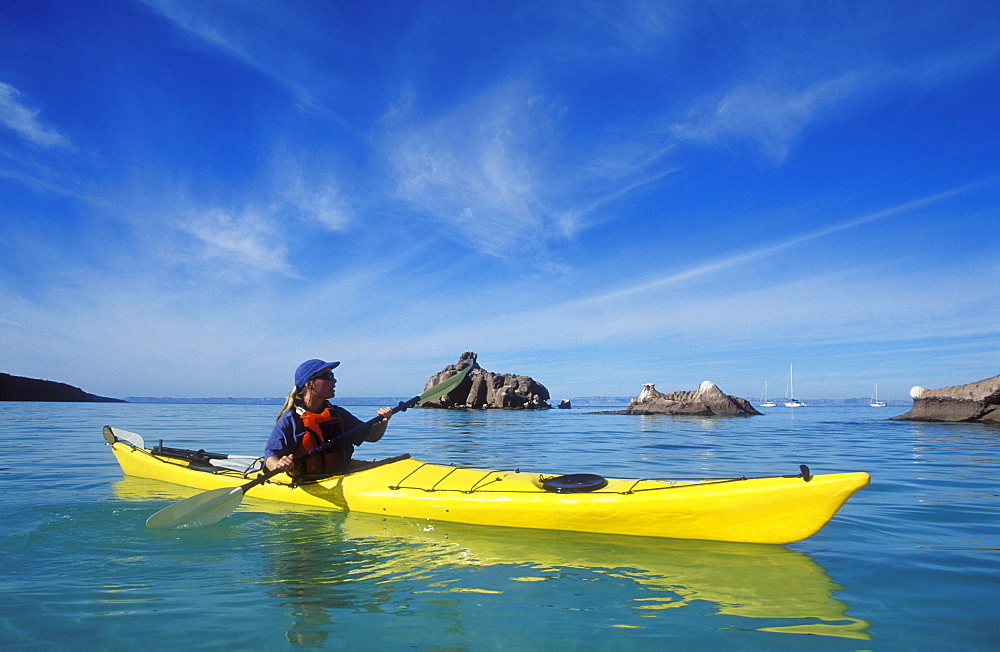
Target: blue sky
x,y
196,196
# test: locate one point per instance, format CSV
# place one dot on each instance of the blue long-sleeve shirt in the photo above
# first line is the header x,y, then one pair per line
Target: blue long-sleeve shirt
x,y
288,431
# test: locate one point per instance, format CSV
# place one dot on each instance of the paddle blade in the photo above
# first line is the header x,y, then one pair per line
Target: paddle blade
x,y
202,509
111,435
444,386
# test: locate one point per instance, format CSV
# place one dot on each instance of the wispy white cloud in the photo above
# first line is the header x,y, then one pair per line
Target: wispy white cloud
x,y
310,188
497,172
474,170
323,205
573,220
46,180
238,233
247,240
743,258
236,34
766,114
621,27
23,120
804,78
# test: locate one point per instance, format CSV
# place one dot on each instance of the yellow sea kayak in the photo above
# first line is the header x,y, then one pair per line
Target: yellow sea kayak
x,y
752,510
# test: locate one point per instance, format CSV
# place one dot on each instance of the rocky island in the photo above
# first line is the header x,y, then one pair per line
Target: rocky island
x,y
707,400
975,402
483,389
19,388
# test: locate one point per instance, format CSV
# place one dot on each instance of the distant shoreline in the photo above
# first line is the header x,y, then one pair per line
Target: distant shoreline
x,y
19,388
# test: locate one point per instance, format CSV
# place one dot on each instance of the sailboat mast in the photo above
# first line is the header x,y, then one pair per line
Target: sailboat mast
x,y
792,401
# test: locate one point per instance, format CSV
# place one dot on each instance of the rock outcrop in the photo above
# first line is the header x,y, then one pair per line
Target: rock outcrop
x,y
19,388
483,389
978,402
708,399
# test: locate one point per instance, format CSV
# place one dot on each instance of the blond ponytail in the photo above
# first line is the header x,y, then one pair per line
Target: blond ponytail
x,y
292,401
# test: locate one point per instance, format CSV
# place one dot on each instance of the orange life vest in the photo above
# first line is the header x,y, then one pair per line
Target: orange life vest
x,y
320,427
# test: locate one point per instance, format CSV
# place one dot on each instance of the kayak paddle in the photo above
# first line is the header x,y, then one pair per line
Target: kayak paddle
x,y
214,505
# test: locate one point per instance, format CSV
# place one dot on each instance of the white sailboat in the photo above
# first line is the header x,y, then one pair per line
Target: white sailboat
x,y
792,401
764,401
875,402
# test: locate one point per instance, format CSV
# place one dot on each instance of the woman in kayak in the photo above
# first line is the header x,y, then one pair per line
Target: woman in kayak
x,y
308,419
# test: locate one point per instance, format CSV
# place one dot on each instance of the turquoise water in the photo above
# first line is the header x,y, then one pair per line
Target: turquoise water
x,y
910,562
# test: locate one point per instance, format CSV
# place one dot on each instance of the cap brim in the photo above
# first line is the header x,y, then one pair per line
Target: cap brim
x,y
324,368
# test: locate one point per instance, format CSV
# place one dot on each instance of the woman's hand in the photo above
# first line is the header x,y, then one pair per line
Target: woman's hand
x,y
280,463
378,429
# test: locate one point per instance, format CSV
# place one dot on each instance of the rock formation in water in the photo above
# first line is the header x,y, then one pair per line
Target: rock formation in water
x,y
19,388
483,389
979,402
708,399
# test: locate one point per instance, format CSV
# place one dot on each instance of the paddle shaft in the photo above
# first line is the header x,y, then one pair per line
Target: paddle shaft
x,y
264,477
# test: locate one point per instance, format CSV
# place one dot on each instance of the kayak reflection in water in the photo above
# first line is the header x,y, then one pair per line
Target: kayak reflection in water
x,y
308,419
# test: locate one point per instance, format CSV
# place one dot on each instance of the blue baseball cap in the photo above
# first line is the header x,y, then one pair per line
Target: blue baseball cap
x,y
310,368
